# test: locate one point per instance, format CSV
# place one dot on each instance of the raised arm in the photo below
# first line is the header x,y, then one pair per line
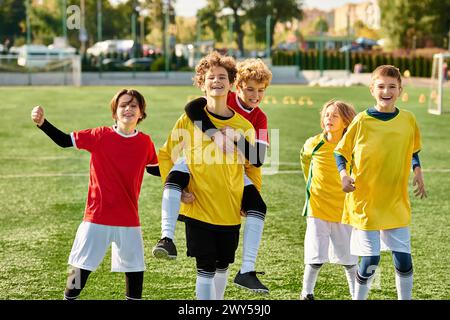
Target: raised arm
x,y
60,138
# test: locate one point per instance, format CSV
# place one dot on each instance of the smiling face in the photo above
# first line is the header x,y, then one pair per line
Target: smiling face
x,y
251,92
385,90
216,83
332,121
128,112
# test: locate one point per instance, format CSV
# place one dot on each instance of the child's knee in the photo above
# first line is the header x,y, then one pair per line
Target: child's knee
x,y
402,261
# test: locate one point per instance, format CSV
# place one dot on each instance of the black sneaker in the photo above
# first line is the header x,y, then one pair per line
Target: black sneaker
x,y
250,281
309,296
165,249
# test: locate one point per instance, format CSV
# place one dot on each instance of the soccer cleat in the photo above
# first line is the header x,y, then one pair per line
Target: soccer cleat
x,y
309,296
165,249
250,281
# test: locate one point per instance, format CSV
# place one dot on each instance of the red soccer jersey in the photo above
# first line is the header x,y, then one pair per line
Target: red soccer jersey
x,y
256,117
116,171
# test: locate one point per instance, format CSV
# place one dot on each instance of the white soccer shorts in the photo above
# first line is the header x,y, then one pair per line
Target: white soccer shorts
x,y
93,240
327,241
370,243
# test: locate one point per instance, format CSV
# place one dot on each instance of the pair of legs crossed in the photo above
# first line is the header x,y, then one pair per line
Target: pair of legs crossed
x,y
89,248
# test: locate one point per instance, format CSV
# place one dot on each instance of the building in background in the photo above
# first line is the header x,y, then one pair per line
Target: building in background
x,y
345,16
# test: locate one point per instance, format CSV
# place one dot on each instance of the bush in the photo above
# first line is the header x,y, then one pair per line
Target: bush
x,y
159,64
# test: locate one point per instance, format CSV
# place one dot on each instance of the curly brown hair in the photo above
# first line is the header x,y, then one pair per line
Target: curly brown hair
x,y
132,93
214,59
253,69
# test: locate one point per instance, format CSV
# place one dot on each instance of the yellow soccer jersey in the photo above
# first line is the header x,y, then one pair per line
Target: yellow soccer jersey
x,y
324,195
379,153
216,178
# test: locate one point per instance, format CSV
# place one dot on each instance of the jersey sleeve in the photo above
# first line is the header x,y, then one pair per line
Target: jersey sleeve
x,y
152,160
346,144
305,157
261,131
417,138
86,139
172,148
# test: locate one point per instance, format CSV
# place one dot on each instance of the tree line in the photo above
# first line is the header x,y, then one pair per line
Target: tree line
x,y
406,23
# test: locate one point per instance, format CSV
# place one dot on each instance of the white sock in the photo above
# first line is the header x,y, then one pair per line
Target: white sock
x,y
362,286
204,286
404,285
350,274
220,282
169,212
309,279
252,238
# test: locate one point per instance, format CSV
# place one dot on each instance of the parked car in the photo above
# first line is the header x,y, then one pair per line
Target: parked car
x,y
139,63
354,47
110,46
112,63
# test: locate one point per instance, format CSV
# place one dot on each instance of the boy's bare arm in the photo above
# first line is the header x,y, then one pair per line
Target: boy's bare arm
x,y
418,181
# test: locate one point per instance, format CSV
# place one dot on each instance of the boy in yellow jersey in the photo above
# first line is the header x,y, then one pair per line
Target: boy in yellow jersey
x,y
380,145
326,239
216,178
252,79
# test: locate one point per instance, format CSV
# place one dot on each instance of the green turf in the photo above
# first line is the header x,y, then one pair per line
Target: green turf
x,y
41,210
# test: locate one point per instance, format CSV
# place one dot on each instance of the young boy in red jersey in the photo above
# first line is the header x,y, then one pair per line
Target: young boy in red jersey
x,y
253,77
119,156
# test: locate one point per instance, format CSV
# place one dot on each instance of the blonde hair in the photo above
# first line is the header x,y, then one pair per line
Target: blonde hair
x,y
214,59
132,93
253,69
387,71
346,111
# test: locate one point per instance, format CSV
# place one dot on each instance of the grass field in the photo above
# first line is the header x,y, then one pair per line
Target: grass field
x,y
43,191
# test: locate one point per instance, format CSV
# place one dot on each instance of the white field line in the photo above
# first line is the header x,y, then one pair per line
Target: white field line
x,y
56,175
43,175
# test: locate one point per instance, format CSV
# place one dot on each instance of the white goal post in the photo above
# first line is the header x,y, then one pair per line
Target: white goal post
x,y
439,99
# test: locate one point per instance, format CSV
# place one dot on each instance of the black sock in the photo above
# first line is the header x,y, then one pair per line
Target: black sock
x,y
75,283
134,281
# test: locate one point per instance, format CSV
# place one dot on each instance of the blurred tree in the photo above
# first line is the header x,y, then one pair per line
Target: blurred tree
x,y
410,23
279,11
45,19
156,22
213,18
186,29
321,25
208,19
12,19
